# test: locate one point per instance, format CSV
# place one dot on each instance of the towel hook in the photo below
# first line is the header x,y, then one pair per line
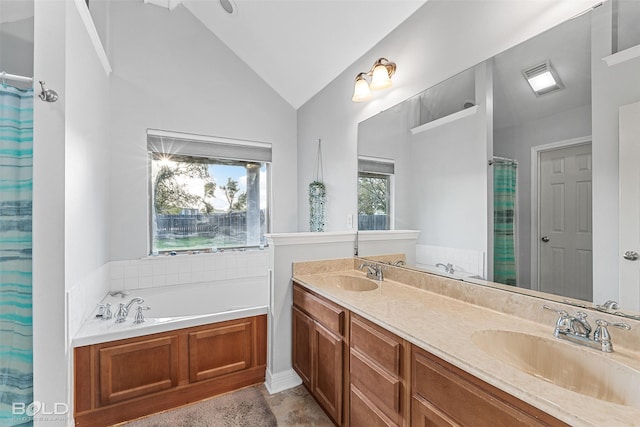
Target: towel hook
x,y
47,95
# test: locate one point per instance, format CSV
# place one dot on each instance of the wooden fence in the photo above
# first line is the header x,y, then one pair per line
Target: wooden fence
x,y
205,225
373,222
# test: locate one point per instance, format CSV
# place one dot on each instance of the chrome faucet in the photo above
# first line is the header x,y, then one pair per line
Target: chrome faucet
x,y
104,311
448,268
123,310
374,271
607,306
139,315
576,329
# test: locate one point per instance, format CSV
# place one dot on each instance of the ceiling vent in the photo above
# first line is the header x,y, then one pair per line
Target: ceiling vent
x,y
542,78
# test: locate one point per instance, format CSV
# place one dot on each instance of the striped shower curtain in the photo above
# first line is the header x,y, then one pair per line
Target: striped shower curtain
x,y
504,222
16,344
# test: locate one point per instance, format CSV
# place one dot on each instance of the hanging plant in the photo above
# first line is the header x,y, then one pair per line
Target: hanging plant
x,y
317,196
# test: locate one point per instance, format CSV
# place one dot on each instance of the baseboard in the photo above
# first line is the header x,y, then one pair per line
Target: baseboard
x,y
281,381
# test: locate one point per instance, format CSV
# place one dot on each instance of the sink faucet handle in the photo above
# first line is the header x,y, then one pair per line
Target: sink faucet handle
x,y
602,336
562,313
563,324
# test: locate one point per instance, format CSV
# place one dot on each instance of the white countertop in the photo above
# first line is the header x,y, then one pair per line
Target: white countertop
x,y
444,326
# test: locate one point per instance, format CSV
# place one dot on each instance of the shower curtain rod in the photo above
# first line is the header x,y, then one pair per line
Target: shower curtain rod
x,y
501,159
22,79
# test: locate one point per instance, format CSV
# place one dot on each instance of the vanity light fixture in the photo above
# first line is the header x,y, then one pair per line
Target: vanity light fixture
x,y
380,73
543,78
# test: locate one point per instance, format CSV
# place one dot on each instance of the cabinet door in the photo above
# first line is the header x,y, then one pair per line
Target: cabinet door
x,y
138,368
326,381
219,350
423,414
302,345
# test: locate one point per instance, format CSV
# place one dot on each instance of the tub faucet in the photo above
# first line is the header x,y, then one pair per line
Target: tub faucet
x,y
121,293
448,268
139,315
123,310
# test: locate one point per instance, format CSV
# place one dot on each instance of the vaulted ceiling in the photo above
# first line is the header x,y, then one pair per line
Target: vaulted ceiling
x,y
299,46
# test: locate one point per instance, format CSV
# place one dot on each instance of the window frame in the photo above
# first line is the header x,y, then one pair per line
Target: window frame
x,y
184,145
388,177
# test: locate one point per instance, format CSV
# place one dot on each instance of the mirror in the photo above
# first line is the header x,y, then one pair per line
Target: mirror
x,y
491,173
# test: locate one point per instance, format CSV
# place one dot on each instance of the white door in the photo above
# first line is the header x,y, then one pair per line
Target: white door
x,y
565,229
630,205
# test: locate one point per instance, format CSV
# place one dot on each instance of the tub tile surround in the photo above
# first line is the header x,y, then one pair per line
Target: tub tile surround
x,y
152,272
161,272
441,315
467,260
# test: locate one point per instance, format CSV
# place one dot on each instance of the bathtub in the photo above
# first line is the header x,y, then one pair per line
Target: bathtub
x,y
176,307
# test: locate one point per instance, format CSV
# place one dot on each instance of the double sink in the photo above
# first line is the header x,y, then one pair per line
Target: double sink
x,y
566,365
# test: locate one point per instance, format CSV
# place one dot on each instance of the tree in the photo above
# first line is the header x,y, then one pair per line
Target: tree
x,y
230,191
372,195
241,204
171,191
209,191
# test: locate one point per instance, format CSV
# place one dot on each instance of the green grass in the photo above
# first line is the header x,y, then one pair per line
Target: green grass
x,y
198,243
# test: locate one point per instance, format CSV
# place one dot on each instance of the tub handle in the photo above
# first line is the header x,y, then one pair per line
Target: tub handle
x,y
104,311
139,315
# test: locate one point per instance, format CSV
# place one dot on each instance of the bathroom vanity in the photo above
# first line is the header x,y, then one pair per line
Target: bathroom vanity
x,y
411,351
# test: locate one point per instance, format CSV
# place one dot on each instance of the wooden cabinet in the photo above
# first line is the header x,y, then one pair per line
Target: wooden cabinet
x,y
378,372
364,375
444,395
318,349
126,379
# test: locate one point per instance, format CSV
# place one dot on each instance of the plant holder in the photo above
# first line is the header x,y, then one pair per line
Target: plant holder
x,y
317,196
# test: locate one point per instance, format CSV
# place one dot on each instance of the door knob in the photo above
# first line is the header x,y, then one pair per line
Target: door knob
x,y
630,255
545,239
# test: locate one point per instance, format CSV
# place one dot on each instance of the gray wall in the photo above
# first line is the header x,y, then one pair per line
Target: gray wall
x,y
16,47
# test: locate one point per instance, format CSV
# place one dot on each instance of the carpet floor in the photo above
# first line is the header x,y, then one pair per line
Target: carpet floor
x,y
242,408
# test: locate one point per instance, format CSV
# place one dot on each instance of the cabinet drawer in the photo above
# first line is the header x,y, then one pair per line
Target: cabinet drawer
x,y
364,412
378,385
379,345
466,400
329,314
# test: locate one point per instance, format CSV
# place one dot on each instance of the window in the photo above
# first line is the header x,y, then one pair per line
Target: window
x,y
206,194
374,194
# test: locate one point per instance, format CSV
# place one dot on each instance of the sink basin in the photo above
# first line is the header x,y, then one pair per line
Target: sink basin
x,y
350,283
580,370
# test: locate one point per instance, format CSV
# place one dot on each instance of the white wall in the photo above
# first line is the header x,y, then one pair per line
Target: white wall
x,y
515,142
171,73
86,173
450,191
50,349
441,39
70,230
612,87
